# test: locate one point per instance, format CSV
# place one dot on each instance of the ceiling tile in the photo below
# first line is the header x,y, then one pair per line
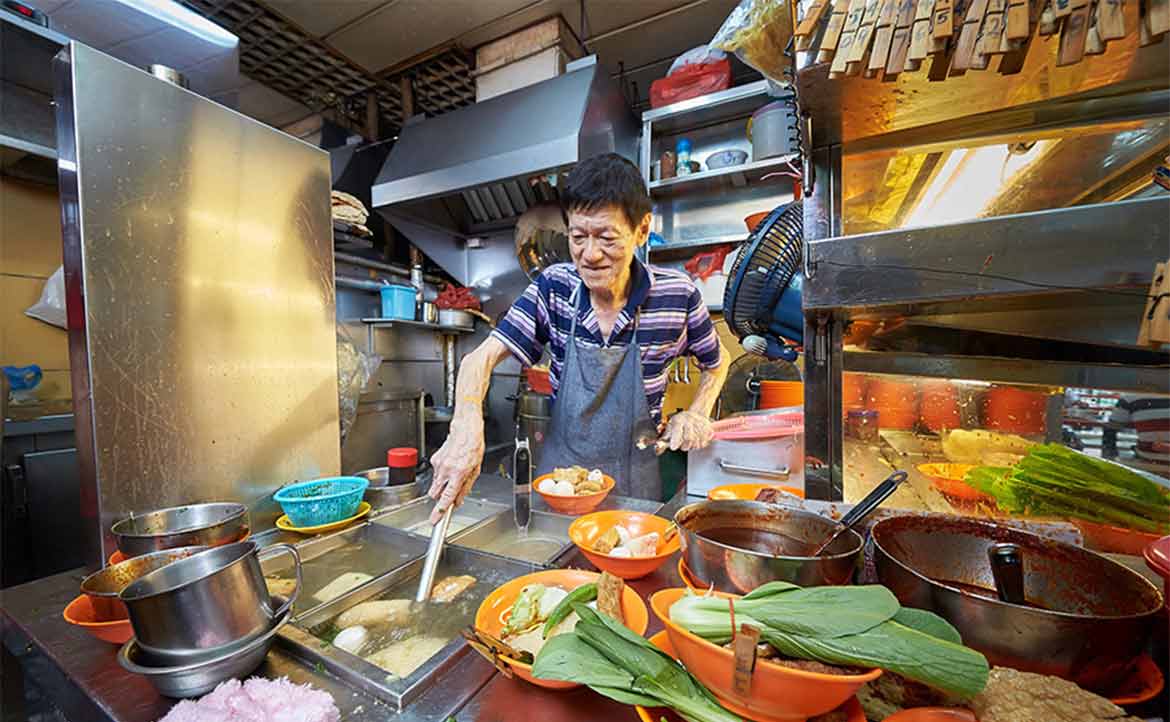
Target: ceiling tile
x,y
319,18
410,27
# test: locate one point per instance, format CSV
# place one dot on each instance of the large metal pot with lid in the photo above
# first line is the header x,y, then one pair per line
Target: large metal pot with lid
x,y
739,545
1084,617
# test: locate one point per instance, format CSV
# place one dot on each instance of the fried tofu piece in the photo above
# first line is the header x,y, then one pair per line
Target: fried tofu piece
x,y
448,588
607,541
609,596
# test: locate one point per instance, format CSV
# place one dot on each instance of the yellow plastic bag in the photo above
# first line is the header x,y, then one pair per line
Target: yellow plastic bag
x,y
758,32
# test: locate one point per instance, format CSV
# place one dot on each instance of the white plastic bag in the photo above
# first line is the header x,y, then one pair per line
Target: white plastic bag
x,y
354,370
696,56
50,308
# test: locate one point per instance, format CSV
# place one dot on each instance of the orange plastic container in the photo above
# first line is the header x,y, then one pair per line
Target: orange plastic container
x,y
754,220
940,406
948,479
852,392
1014,411
1114,539
80,613
851,709
495,609
932,714
895,401
575,504
585,531
781,394
777,694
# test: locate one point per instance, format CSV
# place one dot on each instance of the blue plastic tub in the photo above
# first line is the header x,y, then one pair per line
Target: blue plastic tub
x,y
398,302
322,501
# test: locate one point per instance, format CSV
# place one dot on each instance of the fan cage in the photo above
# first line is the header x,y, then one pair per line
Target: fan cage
x,y
762,270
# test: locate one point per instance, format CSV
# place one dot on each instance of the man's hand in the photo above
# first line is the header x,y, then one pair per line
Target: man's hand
x,y
457,464
688,430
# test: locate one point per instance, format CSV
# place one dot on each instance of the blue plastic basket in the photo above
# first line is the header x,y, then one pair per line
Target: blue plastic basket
x,y
322,501
398,302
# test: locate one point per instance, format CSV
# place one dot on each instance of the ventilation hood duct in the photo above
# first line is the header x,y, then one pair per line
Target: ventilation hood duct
x,y
477,168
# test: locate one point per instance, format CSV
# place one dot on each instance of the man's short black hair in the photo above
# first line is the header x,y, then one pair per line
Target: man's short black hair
x,y
606,180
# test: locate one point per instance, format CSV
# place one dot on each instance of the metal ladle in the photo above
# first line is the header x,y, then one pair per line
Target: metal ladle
x,y
862,509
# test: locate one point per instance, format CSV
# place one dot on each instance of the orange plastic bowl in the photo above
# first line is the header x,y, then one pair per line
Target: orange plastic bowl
x,y
80,613
586,530
748,491
1114,539
852,709
497,607
778,693
933,714
575,504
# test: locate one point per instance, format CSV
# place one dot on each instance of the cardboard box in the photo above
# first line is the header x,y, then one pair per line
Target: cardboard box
x,y
538,52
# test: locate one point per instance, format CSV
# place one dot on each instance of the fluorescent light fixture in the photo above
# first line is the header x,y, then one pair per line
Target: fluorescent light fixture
x,y
175,15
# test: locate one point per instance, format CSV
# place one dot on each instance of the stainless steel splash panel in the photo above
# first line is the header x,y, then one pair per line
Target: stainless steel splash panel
x,y
199,281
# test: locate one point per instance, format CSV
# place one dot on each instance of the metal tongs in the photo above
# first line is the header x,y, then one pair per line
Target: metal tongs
x,y
862,509
434,552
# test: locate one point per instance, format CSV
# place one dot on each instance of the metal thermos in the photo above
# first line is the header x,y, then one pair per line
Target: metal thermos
x,y
533,415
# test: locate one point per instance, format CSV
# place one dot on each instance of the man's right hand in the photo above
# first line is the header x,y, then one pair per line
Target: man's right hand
x,y
457,463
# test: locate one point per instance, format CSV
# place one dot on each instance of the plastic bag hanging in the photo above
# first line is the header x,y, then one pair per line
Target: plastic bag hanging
x,y
758,32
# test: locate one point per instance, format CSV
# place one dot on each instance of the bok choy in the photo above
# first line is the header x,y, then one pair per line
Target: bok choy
x,y
613,661
862,626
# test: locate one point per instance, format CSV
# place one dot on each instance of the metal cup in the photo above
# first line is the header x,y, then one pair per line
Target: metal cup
x,y
196,607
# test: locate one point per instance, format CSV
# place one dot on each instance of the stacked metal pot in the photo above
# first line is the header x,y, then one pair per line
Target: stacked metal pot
x,y
195,595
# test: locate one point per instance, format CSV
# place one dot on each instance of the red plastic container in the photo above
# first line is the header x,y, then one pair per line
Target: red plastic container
x,y
895,401
538,380
940,405
402,462
1014,411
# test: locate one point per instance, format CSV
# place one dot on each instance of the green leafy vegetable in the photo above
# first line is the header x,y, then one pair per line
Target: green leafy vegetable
x,y
609,658
580,595
861,626
1053,480
525,610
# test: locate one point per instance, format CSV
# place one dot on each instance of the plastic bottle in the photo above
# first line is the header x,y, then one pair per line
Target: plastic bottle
x,y
682,151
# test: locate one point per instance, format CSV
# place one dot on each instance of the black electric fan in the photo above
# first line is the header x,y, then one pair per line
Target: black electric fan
x,y
762,301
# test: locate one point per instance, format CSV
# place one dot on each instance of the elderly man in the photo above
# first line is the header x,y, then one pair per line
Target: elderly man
x,y
612,326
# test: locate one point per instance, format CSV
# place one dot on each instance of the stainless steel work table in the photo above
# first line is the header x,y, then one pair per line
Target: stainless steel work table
x,y
82,677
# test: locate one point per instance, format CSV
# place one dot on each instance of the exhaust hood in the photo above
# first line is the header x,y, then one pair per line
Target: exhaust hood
x,y
478,168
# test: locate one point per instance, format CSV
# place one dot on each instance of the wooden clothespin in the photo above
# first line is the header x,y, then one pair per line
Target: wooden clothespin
x,y
1048,22
864,38
1062,8
968,36
1155,327
991,34
1073,34
1157,19
746,648
832,34
1016,26
900,42
883,37
1111,19
1094,45
944,19
848,35
812,19
920,34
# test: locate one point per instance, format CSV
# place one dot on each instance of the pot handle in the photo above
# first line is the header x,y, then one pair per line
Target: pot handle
x,y
290,549
780,474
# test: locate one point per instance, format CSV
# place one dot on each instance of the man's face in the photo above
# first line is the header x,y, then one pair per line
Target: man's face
x,y
602,243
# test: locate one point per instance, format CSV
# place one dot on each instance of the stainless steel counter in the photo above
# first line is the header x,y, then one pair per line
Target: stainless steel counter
x,y
82,677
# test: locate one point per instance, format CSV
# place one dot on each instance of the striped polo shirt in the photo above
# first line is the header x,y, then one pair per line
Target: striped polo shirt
x,y
1150,417
673,322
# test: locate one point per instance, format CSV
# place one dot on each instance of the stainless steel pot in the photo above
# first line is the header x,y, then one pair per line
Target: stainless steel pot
x,y
1094,615
181,526
381,494
738,570
455,317
104,586
197,607
197,678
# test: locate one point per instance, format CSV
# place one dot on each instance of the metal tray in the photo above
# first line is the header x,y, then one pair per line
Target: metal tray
x,y
414,517
546,540
367,549
490,571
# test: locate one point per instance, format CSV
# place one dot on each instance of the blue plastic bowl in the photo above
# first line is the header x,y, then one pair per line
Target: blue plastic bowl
x,y
398,302
322,501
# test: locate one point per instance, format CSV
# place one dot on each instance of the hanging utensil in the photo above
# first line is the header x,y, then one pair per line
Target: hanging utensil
x,y
1007,568
522,491
863,508
434,551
